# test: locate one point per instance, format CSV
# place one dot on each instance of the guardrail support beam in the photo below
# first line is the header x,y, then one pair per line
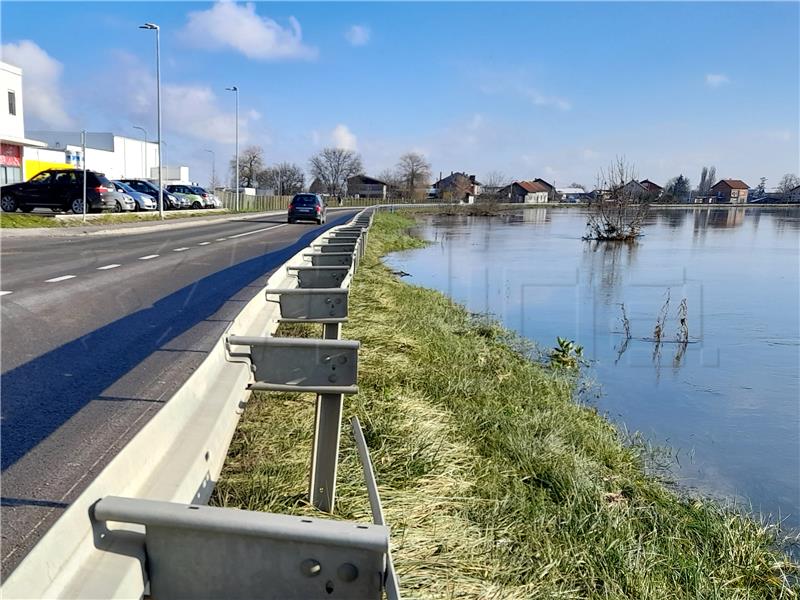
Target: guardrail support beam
x,y
327,435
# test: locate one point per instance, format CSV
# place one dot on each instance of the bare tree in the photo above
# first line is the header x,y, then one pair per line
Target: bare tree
x,y
393,181
333,167
617,214
251,163
493,182
414,172
788,183
708,177
285,178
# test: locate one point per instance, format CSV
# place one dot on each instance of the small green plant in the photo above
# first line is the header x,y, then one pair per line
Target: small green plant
x,y
566,355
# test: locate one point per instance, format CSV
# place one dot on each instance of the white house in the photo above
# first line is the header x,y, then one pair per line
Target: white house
x,y
12,126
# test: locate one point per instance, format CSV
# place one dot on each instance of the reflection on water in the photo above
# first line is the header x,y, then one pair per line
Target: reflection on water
x,y
726,400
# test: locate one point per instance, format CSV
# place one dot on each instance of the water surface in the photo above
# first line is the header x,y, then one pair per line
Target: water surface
x,y
728,403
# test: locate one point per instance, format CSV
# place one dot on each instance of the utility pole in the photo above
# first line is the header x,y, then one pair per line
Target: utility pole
x,y
235,89
157,29
83,144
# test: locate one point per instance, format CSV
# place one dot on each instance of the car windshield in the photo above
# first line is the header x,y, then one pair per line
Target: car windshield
x,y
125,187
304,200
198,190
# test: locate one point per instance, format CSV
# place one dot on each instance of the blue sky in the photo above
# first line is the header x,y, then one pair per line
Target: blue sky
x,y
552,90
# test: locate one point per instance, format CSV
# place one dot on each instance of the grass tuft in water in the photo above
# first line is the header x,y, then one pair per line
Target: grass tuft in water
x,y
496,483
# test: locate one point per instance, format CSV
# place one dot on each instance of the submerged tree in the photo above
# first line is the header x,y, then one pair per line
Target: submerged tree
x,y
618,211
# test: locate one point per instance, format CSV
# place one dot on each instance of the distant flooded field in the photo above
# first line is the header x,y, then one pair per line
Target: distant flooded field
x,y
728,402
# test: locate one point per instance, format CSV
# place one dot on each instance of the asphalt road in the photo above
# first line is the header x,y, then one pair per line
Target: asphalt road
x,y
97,332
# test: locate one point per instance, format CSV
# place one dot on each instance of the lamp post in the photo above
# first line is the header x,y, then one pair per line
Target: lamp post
x,y
144,131
83,149
156,28
235,89
213,169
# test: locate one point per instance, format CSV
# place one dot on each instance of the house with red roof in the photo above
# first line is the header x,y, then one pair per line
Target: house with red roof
x,y
732,191
525,192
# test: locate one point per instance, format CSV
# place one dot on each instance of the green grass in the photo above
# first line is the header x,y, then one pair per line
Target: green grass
x,y
20,220
496,484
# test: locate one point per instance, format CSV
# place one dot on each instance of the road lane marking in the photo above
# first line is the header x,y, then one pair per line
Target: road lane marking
x,y
238,235
203,243
148,257
220,239
179,249
114,266
62,278
4,293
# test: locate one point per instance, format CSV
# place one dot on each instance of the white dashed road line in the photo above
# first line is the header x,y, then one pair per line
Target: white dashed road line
x,y
4,293
107,267
148,257
203,243
238,235
220,239
62,278
179,249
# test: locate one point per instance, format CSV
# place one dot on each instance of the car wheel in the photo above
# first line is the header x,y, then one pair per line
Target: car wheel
x,y
290,220
8,203
77,206
117,207
196,205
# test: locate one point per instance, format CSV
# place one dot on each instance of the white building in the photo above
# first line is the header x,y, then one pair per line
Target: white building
x,y
115,155
571,194
12,126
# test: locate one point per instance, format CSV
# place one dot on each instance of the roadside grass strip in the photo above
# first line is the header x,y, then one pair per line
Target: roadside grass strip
x,y
494,481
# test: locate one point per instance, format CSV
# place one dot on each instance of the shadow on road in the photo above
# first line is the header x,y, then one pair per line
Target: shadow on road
x,y
41,395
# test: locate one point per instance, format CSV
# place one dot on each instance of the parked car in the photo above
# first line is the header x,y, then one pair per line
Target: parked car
x,y
142,201
209,199
171,201
124,204
307,207
186,192
61,189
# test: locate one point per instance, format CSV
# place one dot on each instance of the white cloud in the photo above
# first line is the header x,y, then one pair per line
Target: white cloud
x,y
41,81
503,83
237,26
475,122
192,110
540,99
357,35
343,138
716,79
778,135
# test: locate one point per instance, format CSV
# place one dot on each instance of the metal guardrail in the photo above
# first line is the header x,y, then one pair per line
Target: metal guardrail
x,y
139,529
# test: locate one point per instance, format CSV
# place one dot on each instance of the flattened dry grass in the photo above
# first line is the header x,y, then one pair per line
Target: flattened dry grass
x,y
496,484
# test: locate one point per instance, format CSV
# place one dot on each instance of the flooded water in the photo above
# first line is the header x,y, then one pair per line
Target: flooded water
x,y
728,402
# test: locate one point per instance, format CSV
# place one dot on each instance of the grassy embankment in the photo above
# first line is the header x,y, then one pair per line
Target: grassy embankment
x,y
495,483
20,220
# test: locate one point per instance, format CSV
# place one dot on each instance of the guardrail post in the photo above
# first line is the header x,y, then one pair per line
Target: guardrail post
x,y
327,433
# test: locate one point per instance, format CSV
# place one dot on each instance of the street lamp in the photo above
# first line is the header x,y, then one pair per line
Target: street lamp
x,y
156,28
144,131
236,90
213,169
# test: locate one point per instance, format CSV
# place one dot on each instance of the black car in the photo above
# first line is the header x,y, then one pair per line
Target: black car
x,y
61,189
307,207
143,186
